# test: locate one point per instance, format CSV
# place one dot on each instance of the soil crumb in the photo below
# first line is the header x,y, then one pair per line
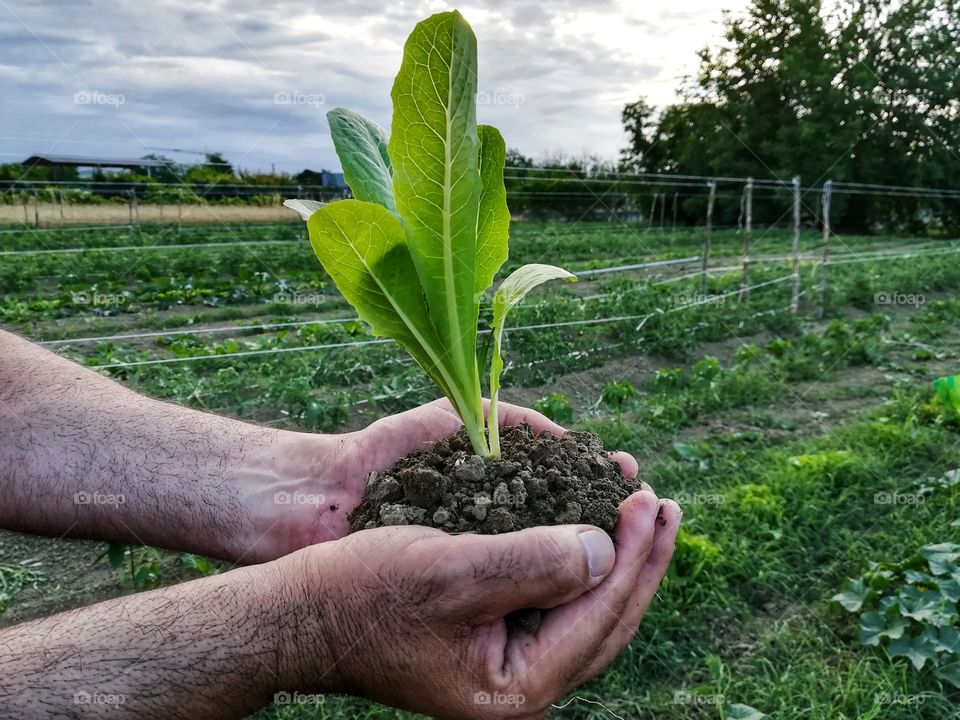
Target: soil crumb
x,y
538,480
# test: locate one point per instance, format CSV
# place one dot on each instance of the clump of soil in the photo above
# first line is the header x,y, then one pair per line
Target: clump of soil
x,y
538,480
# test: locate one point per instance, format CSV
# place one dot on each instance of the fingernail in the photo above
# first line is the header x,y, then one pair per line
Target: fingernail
x,y
600,554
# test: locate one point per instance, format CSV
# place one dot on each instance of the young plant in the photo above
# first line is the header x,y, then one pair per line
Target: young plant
x,y
615,396
427,229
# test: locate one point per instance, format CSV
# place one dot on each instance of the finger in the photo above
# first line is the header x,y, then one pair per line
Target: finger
x,y
643,592
539,567
628,464
514,415
571,636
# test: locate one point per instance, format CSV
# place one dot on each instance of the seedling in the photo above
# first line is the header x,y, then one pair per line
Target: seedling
x,y
555,406
427,230
615,395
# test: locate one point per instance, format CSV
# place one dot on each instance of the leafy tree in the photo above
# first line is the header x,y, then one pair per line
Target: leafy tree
x,y
861,91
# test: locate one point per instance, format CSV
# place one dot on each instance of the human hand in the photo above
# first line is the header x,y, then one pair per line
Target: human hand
x,y
414,618
319,479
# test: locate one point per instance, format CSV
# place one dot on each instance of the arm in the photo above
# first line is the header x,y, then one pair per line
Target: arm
x,y
81,455
405,615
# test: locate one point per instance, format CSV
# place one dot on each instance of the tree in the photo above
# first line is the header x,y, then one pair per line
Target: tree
x,y
865,91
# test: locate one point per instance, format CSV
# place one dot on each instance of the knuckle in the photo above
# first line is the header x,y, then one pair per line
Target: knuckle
x,y
556,564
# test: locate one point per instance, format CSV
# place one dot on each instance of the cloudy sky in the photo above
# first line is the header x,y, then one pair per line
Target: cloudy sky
x,y
253,79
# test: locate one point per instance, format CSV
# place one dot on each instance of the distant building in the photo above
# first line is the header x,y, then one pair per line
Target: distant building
x,y
324,178
91,164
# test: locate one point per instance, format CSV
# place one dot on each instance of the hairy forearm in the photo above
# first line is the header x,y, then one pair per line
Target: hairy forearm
x,y
217,647
81,455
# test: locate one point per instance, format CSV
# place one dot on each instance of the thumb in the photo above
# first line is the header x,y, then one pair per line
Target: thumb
x,y
540,567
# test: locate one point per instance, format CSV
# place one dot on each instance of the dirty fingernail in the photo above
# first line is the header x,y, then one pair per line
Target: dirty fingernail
x,y
600,554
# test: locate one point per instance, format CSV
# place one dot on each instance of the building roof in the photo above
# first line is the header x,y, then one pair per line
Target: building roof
x,y
88,161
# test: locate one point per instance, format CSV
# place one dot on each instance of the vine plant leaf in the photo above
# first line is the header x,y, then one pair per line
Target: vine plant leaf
x,y
854,594
434,149
361,145
942,558
511,291
361,245
918,650
950,673
739,711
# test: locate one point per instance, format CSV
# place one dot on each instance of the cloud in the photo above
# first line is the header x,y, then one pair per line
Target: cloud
x,y
554,75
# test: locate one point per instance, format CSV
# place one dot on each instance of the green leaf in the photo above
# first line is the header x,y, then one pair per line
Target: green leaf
x,y
950,589
947,640
942,558
362,247
738,711
918,650
875,625
436,181
920,605
511,291
493,224
950,673
853,595
361,145
304,208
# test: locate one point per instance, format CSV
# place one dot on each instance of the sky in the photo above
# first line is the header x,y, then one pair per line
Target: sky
x,y
254,79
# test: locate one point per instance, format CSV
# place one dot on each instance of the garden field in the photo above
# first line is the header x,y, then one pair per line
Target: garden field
x,y
817,574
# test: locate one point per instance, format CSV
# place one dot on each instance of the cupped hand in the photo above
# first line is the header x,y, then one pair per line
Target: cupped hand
x,y
319,479
414,618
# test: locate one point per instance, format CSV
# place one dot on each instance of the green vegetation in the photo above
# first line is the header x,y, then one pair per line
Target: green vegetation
x,y
820,90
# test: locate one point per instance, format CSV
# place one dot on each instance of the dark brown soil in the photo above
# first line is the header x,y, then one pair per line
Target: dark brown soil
x,y
538,480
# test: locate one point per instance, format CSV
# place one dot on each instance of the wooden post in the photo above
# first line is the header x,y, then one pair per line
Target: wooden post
x,y
747,230
653,210
711,198
60,203
179,210
36,211
130,207
663,202
26,208
136,206
795,295
827,192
